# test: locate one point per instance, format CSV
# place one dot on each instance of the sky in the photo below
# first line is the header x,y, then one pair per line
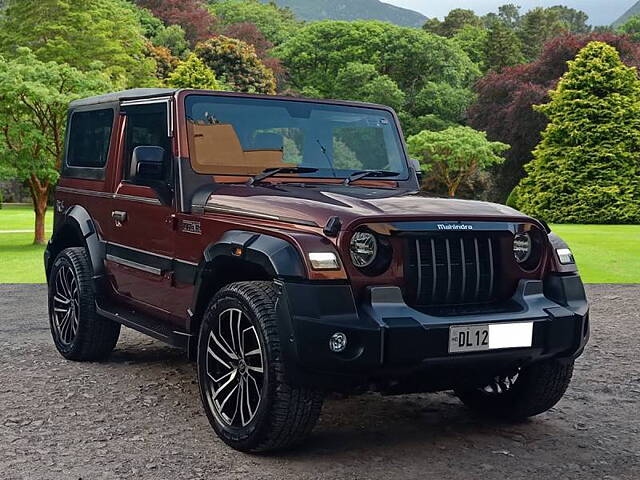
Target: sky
x,y
601,12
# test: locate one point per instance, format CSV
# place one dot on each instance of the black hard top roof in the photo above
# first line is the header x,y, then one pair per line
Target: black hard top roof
x,y
132,94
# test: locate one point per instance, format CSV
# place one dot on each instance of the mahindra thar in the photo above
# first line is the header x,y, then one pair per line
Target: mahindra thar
x,y
285,245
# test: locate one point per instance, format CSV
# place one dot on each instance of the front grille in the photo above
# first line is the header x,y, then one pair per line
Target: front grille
x,y
453,269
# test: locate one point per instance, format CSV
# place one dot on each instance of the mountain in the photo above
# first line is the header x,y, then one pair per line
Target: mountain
x,y
353,10
635,10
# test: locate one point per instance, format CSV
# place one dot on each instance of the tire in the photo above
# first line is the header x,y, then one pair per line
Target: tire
x,y
79,333
272,415
531,391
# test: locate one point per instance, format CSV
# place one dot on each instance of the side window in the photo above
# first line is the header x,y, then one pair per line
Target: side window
x,y
89,138
147,126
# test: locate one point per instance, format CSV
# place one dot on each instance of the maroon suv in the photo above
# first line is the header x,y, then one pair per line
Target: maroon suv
x,y
284,244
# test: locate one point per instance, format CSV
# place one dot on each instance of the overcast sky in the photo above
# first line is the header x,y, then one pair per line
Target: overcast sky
x,y
601,12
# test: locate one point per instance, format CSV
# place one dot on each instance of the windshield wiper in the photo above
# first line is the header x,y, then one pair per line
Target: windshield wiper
x,y
368,173
270,172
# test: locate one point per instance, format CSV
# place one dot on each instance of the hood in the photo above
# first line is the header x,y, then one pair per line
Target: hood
x,y
316,204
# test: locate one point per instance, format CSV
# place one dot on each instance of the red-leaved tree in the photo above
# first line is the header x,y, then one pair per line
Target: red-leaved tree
x,y
505,100
191,15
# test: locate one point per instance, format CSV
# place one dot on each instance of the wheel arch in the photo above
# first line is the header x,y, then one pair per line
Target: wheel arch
x,y
242,256
76,229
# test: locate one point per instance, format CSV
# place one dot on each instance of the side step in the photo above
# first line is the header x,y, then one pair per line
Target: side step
x,y
145,324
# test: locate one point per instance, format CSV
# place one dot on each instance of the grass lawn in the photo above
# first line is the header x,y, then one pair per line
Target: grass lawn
x,y
605,253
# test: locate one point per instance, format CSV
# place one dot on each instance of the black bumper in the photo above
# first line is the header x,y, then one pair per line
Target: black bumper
x,y
395,347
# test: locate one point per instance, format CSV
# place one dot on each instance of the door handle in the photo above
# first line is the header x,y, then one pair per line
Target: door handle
x,y
119,217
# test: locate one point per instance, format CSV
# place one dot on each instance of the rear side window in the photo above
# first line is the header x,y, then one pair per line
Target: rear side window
x,y
89,138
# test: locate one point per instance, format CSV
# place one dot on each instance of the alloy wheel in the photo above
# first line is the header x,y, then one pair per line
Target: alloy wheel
x,y
66,305
234,368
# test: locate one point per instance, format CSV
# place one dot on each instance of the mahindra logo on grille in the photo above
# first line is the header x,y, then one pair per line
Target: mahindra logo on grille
x,y
456,226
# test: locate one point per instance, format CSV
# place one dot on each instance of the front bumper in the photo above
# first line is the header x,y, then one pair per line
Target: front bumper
x,y
394,347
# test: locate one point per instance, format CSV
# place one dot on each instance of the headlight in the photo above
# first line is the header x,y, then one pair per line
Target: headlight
x,y
522,247
363,249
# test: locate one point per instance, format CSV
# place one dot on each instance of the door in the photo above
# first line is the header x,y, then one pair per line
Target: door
x,y
140,247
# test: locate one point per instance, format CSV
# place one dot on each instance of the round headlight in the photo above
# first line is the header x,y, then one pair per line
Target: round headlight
x,y
363,249
522,247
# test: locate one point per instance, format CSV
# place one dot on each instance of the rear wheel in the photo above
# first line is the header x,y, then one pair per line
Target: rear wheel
x,y
78,332
241,374
527,392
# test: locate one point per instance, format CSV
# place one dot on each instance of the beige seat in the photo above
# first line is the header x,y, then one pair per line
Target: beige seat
x,y
216,149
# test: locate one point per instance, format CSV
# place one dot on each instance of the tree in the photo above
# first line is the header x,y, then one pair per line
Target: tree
x,y
454,155
359,81
456,20
586,169
507,98
574,21
173,38
277,24
191,15
503,48
80,33
249,33
409,57
193,73
631,27
510,15
34,97
236,64
538,26
165,61
473,41
444,101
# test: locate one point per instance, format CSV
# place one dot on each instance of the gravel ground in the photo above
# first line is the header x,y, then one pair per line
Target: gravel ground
x,y
138,416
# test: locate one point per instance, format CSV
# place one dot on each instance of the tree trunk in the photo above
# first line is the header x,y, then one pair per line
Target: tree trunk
x,y
40,207
39,196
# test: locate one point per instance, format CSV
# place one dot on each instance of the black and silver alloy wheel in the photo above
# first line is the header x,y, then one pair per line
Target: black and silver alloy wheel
x,y
235,369
66,305
79,333
241,373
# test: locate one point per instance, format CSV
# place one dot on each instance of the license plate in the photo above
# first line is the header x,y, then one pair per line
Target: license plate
x,y
474,338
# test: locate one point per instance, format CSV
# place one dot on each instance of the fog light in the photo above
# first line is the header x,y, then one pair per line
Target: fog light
x,y
324,261
565,256
338,342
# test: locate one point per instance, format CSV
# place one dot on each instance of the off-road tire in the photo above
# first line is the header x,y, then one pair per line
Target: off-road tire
x,y
96,336
537,389
286,414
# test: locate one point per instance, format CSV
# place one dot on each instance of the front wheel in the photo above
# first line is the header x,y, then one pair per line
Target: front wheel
x,y
525,393
241,373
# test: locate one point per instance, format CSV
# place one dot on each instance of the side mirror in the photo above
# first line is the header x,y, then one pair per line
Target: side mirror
x,y
147,164
416,167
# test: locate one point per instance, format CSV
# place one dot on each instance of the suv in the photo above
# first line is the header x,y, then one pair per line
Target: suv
x,y
284,244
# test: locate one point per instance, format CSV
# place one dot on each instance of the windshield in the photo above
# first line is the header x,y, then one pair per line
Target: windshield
x,y
244,136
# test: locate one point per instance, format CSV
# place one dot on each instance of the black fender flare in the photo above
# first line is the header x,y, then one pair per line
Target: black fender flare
x,y
275,257
78,220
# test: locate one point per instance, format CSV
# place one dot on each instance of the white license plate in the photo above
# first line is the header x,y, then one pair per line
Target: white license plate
x,y
474,338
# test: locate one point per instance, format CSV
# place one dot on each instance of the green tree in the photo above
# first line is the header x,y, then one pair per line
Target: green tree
x,y
193,73
453,156
277,24
538,26
510,15
410,57
456,20
362,82
473,41
34,97
80,33
444,101
631,27
586,169
173,38
503,48
574,20
237,65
